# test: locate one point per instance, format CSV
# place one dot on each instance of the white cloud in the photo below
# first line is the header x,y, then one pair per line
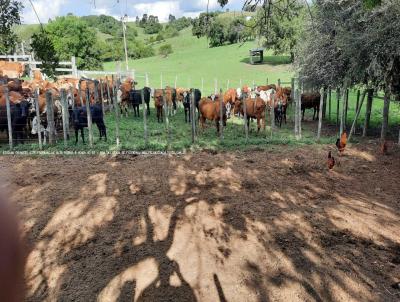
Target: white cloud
x,y
45,9
162,9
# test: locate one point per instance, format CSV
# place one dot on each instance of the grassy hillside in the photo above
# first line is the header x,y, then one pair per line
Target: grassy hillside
x,y
192,60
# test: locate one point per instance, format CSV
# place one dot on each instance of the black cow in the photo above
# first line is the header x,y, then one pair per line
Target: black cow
x,y
19,117
279,114
79,119
135,99
186,102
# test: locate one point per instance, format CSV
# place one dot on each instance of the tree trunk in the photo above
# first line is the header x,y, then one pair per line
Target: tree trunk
x,y
385,121
368,111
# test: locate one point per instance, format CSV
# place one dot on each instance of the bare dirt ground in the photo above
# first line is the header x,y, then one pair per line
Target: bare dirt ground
x,y
252,226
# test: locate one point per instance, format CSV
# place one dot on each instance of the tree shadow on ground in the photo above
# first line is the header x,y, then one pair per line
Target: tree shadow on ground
x,y
198,227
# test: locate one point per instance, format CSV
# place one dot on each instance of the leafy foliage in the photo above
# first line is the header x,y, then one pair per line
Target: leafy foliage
x,y
351,44
45,52
9,16
71,36
105,24
165,50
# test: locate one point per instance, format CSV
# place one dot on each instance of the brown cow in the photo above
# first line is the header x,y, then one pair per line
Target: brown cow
x,y
210,110
12,69
310,101
255,108
159,101
230,96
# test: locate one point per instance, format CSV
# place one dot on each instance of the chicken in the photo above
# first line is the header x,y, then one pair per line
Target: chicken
x,y
341,143
384,148
331,161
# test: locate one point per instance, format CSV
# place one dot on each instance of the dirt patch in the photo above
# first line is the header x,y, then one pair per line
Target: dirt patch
x,y
245,226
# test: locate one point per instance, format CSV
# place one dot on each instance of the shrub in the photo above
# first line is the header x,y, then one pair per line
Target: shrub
x,y
165,50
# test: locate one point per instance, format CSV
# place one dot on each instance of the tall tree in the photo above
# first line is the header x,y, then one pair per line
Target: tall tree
x,y
9,16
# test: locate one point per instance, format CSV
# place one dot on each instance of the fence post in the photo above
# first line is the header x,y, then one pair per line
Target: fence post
x,y
279,82
227,85
215,86
358,99
337,105
109,99
39,127
80,93
321,104
246,126
221,113
89,117
64,115
176,80
296,113
166,119
144,117
116,108
346,108
193,118
353,127
161,81
292,92
368,111
385,119
329,103
202,85
50,117
8,107
102,95
272,113
300,117
74,67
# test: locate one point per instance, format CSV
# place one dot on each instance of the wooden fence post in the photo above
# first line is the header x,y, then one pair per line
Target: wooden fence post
x,y
166,119
102,96
299,116
337,105
89,117
215,87
353,127
161,81
80,93
176,81
39,126
346,100
368,110
358,99
64,115
329,104
9,124
292,92
117,111
109,99
321,104
50,117
144,117
193,118
246,126
202,85
279,82
272,113
227,85
385,120
221,113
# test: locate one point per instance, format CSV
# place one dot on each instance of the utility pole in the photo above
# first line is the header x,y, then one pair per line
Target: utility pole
x,y
124,33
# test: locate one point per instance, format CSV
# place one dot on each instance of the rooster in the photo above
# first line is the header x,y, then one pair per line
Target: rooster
x,y
341,143
331,161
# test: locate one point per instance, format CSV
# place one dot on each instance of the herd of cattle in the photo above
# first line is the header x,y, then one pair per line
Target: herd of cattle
x,y
245,101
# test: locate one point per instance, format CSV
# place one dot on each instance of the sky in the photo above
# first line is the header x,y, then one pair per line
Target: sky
x,y
49,9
